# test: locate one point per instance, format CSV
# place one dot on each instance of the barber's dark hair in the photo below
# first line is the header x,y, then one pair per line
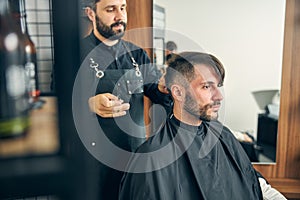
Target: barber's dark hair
x,y
181,67
89,3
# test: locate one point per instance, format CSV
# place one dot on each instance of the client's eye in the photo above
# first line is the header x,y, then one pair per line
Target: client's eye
x,y
206,86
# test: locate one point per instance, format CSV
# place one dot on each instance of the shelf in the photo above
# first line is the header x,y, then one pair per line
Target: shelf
x,y
42,137
289,187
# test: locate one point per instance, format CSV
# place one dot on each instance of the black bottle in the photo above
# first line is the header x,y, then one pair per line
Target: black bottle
x,y
18,11
14,116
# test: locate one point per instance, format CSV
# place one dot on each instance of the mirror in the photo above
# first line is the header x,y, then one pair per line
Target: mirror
x,y
247,36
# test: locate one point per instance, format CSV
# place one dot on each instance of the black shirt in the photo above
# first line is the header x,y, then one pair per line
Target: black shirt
x,y
120,79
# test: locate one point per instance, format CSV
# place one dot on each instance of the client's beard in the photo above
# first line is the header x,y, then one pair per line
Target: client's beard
x,y
192,107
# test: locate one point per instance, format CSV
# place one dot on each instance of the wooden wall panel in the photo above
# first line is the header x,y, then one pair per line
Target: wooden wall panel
x,y
140,16
293,147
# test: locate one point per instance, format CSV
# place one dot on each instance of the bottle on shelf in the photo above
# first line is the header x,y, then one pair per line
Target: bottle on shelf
x,y
19,12
14,104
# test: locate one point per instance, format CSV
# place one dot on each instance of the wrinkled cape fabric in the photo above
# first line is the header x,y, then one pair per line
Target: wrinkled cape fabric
x,y
204,162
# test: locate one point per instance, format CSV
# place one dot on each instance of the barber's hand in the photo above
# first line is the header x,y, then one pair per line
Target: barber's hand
x,y
108,105
247,138
162,85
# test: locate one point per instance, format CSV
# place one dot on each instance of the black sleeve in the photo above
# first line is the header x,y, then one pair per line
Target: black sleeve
x,y
259,175
151,78
157,97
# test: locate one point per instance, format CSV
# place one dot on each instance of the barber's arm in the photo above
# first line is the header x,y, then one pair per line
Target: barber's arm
x,y
156,89
107,105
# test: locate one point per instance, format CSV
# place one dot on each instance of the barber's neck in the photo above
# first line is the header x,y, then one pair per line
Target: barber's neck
x,y
104,40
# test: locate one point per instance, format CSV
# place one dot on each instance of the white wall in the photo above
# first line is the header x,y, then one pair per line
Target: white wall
x,y
247,36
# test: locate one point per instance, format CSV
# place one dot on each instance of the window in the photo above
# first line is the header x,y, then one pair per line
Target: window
x,y
39,23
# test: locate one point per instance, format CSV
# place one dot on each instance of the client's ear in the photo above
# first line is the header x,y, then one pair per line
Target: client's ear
x,y
177,92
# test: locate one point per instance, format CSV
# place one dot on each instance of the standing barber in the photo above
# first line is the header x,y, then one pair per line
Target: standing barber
x,y
123,74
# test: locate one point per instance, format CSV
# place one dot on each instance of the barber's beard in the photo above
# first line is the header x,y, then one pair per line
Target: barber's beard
x,y
108,32
201,112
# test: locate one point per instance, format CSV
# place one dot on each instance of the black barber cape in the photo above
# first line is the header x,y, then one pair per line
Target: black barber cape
x,y
204,165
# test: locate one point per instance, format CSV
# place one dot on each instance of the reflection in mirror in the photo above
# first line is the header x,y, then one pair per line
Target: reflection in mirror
x,y
247,36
